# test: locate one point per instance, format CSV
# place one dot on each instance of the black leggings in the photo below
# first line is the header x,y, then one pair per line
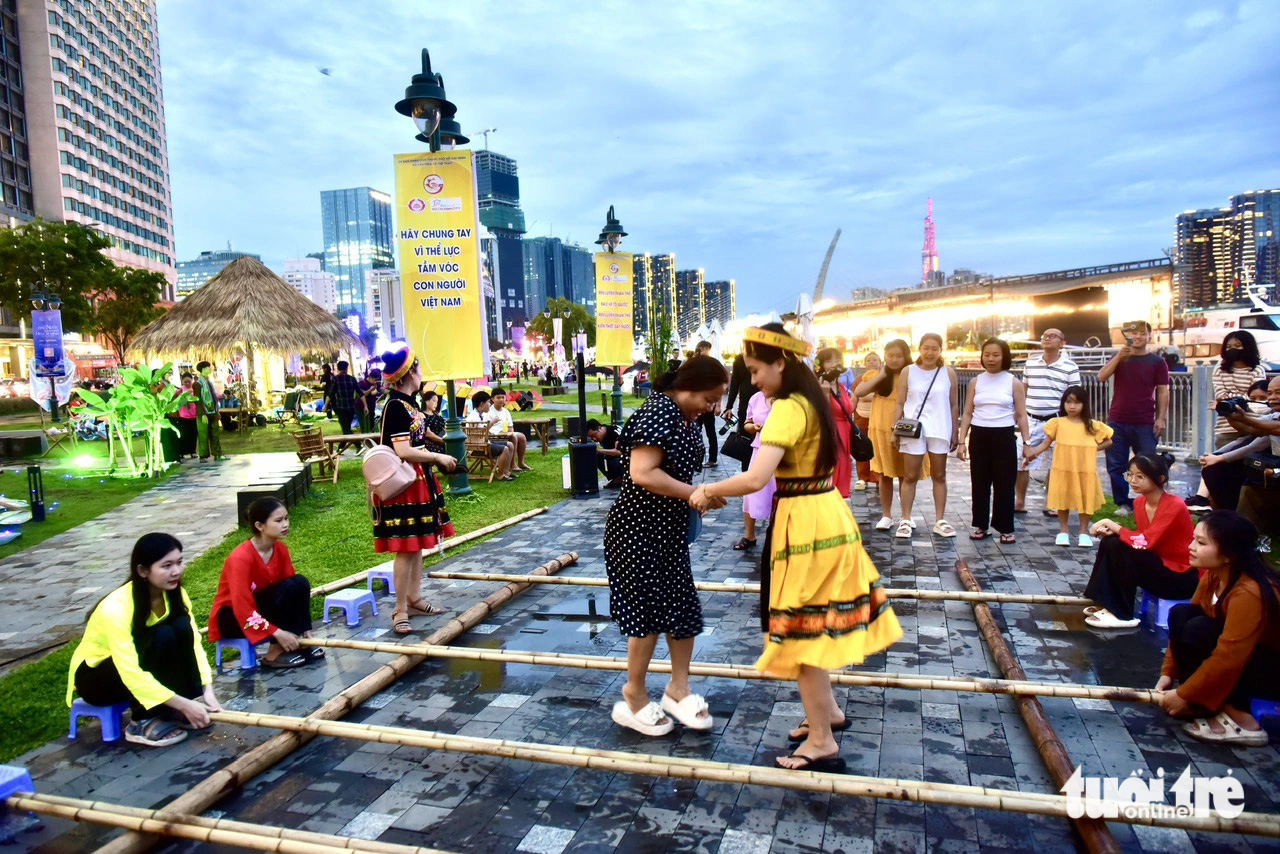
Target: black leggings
x,y
1193,636
993,467
1120,570
170,657
286,604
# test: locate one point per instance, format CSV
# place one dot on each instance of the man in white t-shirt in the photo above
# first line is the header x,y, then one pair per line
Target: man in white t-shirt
x,y
504,428
501,450
1047,375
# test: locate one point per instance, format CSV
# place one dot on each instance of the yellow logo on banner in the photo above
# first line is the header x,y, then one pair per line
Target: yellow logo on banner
x,y
615,298
439,257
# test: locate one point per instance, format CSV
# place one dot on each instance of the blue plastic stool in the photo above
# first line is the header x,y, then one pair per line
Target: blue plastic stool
x,y
350,600
248,655
111,718
1162,609
14,780
387,576
1258,707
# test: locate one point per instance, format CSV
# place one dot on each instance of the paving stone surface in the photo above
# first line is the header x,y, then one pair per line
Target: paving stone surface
x,y
78,567
465,802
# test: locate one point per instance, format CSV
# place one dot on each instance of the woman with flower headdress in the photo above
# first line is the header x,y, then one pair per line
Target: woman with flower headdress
x,y
416,519
821,603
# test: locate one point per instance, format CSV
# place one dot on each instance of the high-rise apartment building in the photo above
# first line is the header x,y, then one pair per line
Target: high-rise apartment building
x,y
192,275
319,286
553,268
642,271
662,287
498,192
1220,250
94,119
1255,247
689,284
16,203
720,301
581,264
357,240
384,311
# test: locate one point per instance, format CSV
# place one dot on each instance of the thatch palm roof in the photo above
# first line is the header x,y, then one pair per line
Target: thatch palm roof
x,y
245,308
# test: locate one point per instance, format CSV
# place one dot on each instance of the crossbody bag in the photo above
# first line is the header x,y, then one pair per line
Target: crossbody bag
x,y
911,428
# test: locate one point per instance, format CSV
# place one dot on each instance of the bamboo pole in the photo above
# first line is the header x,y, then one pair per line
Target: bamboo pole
x,y
226,780
215,831
357,577
944,794
908,681
1097,837
746,587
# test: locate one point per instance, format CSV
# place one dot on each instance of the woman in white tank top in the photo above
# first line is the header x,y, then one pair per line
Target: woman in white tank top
x,y
929,394
995,406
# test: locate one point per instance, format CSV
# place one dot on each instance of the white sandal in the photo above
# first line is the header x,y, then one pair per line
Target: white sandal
x,y
904,529
884,524
1093,609
943,528
1104,619
645,721
1233,733
687,711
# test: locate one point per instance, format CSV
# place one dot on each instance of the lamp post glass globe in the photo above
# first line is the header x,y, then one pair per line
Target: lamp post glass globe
x,y
426,115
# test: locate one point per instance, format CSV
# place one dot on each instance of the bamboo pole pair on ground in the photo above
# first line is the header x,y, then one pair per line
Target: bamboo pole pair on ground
x,y
213,831
737,671
943,794
734,587
226,780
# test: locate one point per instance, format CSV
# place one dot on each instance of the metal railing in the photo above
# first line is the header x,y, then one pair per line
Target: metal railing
x,y
1190,422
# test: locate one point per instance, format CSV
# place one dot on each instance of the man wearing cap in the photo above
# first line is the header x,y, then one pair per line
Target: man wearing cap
x,y
1047,375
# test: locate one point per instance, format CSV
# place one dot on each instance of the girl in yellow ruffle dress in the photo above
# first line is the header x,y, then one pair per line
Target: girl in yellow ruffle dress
x,y
1073,480
822,605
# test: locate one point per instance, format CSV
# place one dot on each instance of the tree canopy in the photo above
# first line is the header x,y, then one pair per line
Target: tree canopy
x,y
125,306
51,257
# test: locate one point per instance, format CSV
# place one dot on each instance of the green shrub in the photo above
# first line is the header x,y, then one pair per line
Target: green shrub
x,y
17,406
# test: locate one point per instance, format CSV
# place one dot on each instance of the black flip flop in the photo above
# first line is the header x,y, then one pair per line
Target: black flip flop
x,y
840,727
826,765
1019,512
314,653
285,661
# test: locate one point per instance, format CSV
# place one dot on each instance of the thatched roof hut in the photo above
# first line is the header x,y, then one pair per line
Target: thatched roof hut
x,y
244,309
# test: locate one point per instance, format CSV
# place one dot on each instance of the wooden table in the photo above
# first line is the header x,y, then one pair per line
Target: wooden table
x,y
541,426
368,440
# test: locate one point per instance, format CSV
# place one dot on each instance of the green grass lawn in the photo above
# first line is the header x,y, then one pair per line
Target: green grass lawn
x,y
330,536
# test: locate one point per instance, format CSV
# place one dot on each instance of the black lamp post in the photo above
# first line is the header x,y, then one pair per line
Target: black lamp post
x,y
425,102
610,239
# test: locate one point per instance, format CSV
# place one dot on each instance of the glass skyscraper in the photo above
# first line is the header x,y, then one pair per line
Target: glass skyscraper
x,y
689,284
642,269
662,288
194,274
720,301
553,268
498,195
357,239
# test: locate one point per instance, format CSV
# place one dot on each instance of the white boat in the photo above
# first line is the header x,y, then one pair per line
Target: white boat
x,y
1199,342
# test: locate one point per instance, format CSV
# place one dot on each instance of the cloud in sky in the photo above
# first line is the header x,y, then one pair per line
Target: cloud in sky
x,y
740,135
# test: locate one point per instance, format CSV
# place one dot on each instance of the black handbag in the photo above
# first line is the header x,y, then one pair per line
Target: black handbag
x,y
912,428
737,447
860,444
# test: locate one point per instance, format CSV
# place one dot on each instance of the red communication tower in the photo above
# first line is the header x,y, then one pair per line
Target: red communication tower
x,y
929,254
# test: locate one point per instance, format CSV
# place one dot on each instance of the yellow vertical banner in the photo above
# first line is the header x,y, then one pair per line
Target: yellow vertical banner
x,y
614,306
439,257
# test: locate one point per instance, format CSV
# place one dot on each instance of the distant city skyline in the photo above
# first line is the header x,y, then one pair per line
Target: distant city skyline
x,y
1070,135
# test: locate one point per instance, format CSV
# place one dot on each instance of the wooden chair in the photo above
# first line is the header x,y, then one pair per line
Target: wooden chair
x,y
311,449
58,433
479,452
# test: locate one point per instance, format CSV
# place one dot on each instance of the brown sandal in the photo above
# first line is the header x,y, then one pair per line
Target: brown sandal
x,y
423,608
400,623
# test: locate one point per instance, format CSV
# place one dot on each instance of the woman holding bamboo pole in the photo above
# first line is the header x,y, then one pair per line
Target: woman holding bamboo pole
x,y
646,544
821,603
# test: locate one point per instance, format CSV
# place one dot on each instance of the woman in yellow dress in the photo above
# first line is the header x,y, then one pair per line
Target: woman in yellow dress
x,y
821,603
882,386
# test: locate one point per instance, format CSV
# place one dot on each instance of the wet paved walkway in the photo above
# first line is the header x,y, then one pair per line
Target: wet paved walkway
x,y
78,567
471,803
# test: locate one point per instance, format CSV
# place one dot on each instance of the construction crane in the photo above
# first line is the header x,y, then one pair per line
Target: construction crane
x,y
485,133
822,274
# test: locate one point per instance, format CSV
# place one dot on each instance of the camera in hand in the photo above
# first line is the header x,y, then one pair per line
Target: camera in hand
x,y
1228,406
729,423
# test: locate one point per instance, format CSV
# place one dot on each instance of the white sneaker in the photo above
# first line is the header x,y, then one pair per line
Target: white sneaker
x,y
1085,541
1123,512
859,486
884,524
1063,539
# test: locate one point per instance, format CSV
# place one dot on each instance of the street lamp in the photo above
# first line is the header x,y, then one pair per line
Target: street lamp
x,y
610,239
46,331
425,102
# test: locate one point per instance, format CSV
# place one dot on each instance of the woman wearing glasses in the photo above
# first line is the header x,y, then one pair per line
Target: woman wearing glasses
x,y
1155,557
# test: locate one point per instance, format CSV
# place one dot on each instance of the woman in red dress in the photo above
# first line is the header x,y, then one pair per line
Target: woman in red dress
x,y
830,364
416,519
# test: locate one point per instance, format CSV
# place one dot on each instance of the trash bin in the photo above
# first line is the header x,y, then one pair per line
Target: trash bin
x,y
582,466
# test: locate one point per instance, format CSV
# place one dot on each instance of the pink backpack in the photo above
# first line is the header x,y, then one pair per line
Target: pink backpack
x,y
386,474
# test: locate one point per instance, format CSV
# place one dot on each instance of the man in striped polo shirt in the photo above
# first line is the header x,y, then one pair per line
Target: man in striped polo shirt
x,y
1047,375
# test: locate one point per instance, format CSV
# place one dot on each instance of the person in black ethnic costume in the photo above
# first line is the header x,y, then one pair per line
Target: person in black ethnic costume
x,y
415,519
646,544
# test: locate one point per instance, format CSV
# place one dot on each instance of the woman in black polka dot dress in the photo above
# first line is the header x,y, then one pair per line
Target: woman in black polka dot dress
x,y
646,544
